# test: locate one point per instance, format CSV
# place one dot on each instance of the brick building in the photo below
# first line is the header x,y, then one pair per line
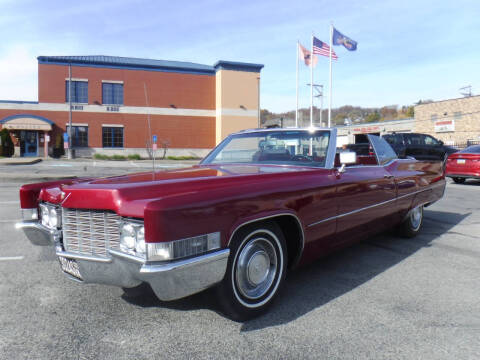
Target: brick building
x,y
455,121
119,103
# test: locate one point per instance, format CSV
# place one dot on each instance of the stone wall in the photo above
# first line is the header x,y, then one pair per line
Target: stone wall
x,y
453,121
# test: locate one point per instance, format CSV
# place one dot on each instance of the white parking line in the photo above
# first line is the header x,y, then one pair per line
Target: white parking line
x,y
9,202
8,258
10,221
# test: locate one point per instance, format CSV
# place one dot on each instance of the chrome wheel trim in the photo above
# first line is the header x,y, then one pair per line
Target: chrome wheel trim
x,y
416,215
257,268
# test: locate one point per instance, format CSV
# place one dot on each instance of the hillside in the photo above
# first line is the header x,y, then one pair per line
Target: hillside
x,y
352,114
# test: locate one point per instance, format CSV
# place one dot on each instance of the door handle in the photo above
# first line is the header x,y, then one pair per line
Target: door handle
x,y
387,176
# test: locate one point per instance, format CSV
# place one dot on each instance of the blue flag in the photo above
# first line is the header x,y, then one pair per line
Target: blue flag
x,y
339,39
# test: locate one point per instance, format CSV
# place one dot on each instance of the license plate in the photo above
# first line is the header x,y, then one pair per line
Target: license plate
x,y
70,266
460,161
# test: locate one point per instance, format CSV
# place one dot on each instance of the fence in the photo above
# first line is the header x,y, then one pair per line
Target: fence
x,y
463,145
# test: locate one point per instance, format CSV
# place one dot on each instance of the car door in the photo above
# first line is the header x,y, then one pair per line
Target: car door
x,y
436,150
415,146
366,195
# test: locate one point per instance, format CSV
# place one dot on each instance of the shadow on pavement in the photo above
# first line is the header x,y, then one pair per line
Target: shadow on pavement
x,y
316,284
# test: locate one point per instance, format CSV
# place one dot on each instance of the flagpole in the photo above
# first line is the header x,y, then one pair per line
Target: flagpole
x,y
296,111
330,87
311,83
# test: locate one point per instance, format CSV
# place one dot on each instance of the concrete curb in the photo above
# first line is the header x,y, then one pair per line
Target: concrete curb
x,y
32,179
23,161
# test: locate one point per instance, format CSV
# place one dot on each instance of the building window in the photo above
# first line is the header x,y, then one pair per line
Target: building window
x,y
112,137
79,91
112,93
79,136
434,117
457,115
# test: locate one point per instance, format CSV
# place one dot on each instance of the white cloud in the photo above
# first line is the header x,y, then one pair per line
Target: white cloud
x,y
18,74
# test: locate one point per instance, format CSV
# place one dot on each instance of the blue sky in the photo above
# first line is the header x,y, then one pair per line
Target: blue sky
x,y
407,50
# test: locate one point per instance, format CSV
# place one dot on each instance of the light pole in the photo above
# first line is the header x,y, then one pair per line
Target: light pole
x,y
319,94
70,140
258,89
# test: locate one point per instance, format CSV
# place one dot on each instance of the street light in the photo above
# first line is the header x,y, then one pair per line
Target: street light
x,y
319,94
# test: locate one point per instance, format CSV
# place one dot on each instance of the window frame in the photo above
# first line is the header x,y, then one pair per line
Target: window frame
x,y
112,136
113,84
75,92
75,135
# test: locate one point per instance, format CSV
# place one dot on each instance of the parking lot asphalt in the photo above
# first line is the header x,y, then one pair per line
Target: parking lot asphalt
x,y
385,298
54,169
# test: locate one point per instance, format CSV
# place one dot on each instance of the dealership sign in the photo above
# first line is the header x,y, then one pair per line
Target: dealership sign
x,y
444,126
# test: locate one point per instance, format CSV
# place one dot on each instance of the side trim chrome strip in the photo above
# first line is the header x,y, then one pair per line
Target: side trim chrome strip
x,y
295,261
368,207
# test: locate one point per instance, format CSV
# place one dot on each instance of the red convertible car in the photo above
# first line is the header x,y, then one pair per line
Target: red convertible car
x,y
464,164
262,202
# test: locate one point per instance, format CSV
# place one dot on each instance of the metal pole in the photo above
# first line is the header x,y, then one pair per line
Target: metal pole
x,y
321,105
296,108
258,89
311,84
70,140
330,87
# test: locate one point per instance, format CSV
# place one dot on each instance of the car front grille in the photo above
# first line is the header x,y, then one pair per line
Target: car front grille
x,y
90,232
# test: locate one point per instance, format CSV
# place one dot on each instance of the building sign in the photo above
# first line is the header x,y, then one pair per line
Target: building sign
x,y
444,126
367,129
27,123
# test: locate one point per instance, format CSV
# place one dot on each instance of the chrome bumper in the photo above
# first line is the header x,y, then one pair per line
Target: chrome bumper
x,y
169,281
37,233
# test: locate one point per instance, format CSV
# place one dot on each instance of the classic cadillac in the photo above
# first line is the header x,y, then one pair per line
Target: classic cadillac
x,y
263,201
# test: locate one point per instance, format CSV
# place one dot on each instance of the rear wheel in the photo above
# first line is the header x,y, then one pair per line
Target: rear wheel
x,y
412,224
255,272
459,180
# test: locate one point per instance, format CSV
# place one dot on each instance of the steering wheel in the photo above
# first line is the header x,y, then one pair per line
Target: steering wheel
x,y
299,157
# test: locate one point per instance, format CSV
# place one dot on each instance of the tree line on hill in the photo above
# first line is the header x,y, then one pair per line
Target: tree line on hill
x,y
347,114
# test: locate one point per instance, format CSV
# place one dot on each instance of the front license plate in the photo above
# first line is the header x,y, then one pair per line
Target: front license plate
x,y
460,161
70,266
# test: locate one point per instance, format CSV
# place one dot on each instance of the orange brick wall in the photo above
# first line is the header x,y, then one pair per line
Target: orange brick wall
x,y
181,131
187,91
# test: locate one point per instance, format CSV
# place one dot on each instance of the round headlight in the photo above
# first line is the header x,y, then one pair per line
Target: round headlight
x,y
45,216
140,244
53,218
127,238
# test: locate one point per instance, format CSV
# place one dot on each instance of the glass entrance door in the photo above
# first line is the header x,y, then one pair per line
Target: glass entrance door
x,y
30,140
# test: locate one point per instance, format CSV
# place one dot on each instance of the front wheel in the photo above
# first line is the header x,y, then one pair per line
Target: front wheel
x,y
458,180
410,227
255,272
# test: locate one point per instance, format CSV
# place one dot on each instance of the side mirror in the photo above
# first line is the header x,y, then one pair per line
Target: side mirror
x,y
347,158
441,142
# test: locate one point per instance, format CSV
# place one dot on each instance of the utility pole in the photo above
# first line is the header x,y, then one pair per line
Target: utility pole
x,y
319,94
70,139
258,89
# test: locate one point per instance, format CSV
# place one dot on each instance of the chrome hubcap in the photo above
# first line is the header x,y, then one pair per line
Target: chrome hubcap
x,y
416,217
256,268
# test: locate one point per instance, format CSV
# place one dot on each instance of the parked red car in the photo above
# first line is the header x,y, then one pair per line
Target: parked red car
x,y
262,202
464,164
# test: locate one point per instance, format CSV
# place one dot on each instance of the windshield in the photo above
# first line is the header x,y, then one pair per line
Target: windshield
x,y
283,147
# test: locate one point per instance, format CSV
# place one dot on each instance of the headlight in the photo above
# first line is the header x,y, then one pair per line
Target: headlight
x,y
140,244
177,249
54,219
132,238
45,214
50,216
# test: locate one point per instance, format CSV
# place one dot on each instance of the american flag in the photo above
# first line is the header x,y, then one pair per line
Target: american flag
x,y
321,48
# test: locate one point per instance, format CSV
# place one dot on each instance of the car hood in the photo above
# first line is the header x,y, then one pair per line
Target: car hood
x,y
127,195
